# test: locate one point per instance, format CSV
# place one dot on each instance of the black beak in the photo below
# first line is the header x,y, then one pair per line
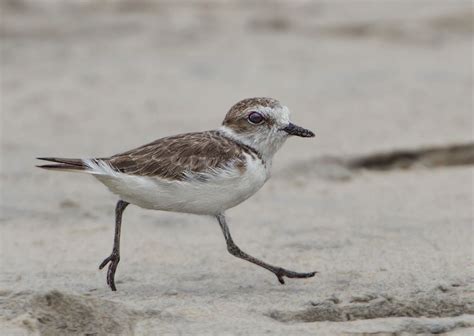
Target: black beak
x,y
292,129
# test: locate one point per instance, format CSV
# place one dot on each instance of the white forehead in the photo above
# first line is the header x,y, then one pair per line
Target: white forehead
x,y
279,114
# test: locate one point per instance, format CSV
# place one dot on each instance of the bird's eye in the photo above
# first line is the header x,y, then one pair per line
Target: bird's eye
x,y
255,118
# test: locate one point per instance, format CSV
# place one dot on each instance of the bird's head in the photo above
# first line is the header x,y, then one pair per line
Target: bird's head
x,y
263,124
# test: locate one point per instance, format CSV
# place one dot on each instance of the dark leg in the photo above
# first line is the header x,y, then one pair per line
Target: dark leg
x,y
236,251
114,258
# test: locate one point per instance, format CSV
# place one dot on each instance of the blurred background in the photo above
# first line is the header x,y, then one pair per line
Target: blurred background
x,y
363,74
383,84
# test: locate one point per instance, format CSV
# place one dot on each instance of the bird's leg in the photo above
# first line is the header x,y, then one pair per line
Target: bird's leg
x,y
236,251
114,258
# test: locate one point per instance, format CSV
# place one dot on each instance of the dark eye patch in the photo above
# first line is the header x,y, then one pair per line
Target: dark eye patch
x,y
255,118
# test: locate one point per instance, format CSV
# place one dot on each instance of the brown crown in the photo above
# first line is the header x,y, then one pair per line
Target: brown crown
x,y
237,115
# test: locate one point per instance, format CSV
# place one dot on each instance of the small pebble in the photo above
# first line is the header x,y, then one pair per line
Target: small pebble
x,y
443,288
171,292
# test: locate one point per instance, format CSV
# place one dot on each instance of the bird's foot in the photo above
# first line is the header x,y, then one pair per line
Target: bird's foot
x,y
281,272
114,260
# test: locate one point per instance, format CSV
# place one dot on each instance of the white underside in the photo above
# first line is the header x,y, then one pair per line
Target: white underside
x,y
210,193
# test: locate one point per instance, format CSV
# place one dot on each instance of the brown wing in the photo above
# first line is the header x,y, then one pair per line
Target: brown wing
x,y
173,156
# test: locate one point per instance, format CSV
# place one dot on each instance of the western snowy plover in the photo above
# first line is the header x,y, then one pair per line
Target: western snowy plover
x,y
202,173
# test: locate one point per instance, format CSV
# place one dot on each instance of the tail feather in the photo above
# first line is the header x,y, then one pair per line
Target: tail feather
x,y
63,164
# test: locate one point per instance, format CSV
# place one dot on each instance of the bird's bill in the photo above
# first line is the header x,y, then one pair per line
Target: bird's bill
x,y
293,129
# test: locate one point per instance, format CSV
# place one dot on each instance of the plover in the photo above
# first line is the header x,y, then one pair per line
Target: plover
x,y
202,173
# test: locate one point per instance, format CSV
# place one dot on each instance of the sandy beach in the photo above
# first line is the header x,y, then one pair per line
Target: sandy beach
x,y
380,202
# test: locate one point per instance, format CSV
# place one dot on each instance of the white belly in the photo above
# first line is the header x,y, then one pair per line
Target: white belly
x,y
219,191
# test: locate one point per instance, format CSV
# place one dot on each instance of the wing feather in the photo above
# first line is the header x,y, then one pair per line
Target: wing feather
x,y
177,157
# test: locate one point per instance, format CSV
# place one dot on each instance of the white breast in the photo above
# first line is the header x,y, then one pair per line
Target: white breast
x,y
208,194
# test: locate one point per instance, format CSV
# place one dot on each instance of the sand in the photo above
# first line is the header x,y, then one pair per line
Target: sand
x,y
392,239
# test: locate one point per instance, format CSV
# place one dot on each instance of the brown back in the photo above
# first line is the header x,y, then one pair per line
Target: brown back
x,y
173,156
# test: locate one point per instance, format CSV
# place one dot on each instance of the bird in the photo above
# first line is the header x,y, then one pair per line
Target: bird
x,y
202,173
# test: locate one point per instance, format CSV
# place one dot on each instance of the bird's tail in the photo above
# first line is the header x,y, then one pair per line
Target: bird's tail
x,y
63,164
